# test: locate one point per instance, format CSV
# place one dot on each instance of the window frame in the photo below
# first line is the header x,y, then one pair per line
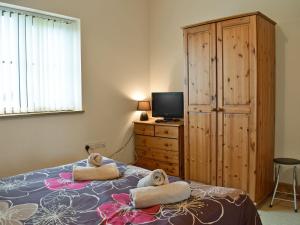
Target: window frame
x,y
46,14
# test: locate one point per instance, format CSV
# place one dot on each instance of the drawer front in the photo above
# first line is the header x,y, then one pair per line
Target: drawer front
x,y
144,129
156,142
170,168
158,154
165,131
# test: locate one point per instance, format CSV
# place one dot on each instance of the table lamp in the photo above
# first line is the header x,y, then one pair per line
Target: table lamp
x,y
143,106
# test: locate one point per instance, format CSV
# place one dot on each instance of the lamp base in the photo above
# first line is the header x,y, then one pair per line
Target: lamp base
x,y
144,116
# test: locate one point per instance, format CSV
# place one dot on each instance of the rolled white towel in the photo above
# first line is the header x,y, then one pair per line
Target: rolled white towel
x,y
95,159
105,172
165,194
155,178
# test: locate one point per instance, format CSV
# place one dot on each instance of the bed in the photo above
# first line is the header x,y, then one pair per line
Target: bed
x,y
50,197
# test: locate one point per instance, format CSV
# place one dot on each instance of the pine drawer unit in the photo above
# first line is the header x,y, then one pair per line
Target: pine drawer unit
x,y
159,146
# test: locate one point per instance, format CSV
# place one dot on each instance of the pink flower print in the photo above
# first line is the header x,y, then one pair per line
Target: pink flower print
x,y
64,181
120,212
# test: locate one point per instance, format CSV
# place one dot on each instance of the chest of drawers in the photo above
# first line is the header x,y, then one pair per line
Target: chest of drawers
x,y
159,146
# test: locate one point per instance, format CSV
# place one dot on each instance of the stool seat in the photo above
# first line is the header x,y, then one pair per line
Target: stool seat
x,y
287,161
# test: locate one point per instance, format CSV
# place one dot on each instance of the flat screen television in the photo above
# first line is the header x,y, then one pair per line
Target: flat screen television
x,y
168,105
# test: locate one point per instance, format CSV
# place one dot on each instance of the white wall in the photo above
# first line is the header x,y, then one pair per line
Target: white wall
x,y
166,54
114,68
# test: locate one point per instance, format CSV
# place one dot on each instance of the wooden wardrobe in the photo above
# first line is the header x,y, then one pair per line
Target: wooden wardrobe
x,y
230,103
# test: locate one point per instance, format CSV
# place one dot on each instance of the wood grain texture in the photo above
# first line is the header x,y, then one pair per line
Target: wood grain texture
x,y
160,145
235,151
219,104
253,104
157,142
231,17
186,144
245,96
202,66
144,129
165,131
235,89
199,67
202,130
170,168
200,104
158,154
265,106
236,64
152,122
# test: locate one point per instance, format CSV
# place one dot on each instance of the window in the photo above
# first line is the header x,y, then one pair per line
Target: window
x,y
40,68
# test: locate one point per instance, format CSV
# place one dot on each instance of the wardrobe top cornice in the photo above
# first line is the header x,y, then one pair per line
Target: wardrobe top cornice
x,y
229,18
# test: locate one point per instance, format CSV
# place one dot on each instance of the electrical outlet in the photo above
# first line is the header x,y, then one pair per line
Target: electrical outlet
x,y
96,145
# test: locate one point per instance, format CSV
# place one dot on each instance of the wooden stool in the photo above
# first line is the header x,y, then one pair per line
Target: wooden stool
x,y
290,162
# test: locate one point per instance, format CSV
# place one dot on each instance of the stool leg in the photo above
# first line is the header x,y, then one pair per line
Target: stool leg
x,y
294,187
275,190
275,172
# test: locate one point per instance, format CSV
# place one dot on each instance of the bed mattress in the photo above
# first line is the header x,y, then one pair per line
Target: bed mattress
x,y
50,197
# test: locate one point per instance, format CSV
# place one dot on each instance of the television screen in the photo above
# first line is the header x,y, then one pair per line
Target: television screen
x,y
167,104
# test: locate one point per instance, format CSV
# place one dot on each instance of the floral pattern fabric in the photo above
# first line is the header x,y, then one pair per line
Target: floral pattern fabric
x,y
13,215
121,212
50,196
64,181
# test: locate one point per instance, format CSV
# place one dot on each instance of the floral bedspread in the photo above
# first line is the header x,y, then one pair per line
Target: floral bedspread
x,y
50,197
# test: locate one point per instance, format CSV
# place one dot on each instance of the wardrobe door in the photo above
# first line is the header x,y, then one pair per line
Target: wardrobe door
x,y
200,104
236,100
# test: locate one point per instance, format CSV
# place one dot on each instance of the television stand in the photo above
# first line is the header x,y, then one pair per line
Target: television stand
x,y
160,146
166,120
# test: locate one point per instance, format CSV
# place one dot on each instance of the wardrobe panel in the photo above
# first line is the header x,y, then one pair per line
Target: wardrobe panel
x,y
235,150
236,101
266,107
201,49
236,64
202,142
199,67
200,104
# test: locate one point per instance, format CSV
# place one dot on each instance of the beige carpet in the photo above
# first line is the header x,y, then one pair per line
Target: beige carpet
x,y
282,213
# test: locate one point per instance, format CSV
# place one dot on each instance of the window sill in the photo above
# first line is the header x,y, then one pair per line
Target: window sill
x,y
39,114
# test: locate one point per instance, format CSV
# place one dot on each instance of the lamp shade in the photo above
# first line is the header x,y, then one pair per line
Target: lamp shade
x,y
143,106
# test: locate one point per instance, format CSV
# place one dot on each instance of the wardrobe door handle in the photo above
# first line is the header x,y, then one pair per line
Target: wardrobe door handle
x,y
214,109
220,109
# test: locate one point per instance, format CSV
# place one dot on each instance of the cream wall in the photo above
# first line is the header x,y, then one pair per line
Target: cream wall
x,y
114,67
119,53
166,54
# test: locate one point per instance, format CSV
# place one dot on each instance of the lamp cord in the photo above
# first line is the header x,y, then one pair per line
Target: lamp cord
x,y
87,148
122,147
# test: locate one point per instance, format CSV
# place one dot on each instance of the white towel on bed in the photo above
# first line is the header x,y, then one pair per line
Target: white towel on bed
x,y
95,159
165,194
155,178
104,172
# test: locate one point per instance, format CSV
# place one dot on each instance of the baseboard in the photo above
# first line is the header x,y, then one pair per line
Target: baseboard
x,y
285,187
282,187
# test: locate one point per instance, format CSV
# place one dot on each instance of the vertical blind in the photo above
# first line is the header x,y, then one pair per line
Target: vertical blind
x,y
40,67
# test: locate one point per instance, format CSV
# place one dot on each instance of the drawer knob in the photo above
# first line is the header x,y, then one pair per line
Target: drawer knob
x,y
166,144
166,131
